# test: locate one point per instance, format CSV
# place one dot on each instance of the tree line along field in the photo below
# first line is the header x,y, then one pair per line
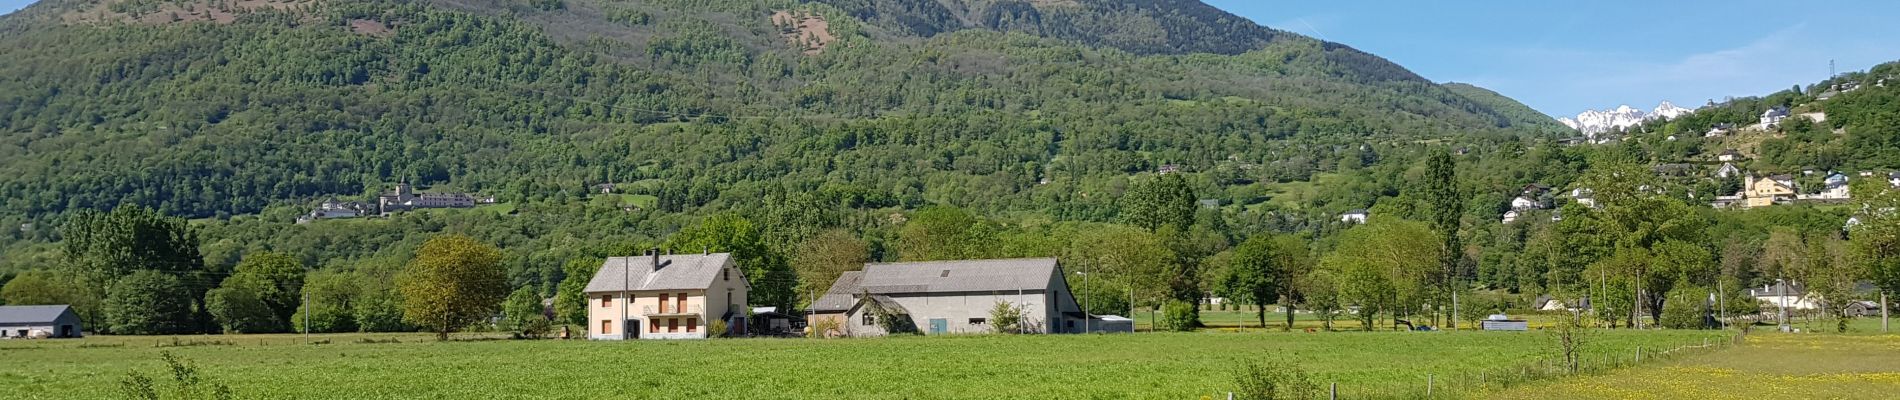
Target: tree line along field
x,y
1159,366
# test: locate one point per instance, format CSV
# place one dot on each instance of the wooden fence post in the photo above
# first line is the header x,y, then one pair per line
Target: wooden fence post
x,y
1334,393
1428,385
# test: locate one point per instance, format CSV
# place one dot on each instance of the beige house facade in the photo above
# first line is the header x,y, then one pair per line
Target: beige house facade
x,y
666,297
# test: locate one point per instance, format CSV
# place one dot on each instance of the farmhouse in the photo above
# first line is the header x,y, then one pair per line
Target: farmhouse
x,y
39,322
1765,192
947,297
1780,294
1355,216
674,296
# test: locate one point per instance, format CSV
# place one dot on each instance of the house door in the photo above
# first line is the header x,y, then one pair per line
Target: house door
x,y
633,329
939,326
66,331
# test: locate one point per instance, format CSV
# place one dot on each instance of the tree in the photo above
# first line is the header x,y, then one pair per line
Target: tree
x,y
522,313
1256,273
570,300
1165,200
1686,307
820,259
453,281
39,287
238,309
944,233
1321,291
149,302
261,295
101,248
1442,192
1123,257
771,278
1383,266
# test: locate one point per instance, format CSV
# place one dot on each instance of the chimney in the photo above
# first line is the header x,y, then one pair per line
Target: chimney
x,y
656,259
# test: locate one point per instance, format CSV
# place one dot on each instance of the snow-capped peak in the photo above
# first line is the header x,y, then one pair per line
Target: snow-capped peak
x,y
1593,122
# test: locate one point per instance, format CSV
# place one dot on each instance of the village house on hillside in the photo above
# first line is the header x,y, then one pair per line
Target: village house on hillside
x,y
39,322
1763,192
405,198
1773,117
333,209
1357,216
673,296
949,297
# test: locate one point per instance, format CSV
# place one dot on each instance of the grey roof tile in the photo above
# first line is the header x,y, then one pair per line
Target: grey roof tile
x,y
679,271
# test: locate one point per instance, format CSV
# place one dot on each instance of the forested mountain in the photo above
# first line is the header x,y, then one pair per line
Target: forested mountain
x,y
221,108
1518,114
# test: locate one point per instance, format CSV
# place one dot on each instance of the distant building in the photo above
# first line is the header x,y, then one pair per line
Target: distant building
x,y
405,198
1835,188
1773,117
1675,169
1728,170
1511,216
1526,203
39,322
1719,130
333,209
1584,196
1782,294
1168,169
1729,155
1894,179
1765,192
1355,216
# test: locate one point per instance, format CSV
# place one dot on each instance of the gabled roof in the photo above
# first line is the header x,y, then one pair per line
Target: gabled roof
x,y
1793,290
841,295
958,276
32,314
678,271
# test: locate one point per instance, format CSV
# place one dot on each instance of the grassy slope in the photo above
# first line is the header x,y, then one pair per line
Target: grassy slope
x,y
1768,366
1114,366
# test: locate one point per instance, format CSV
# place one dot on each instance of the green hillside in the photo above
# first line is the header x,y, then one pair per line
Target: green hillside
x,y
1516,113
222,112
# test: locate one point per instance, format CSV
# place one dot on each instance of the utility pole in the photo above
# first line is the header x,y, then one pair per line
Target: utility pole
x,y
1721,302
626,282
1883,312
306,308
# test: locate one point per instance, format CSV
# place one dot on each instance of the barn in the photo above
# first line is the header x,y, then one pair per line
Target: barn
x,y
39,322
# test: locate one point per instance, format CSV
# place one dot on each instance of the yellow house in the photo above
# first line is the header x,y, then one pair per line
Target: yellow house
x,y
665,297
1763,192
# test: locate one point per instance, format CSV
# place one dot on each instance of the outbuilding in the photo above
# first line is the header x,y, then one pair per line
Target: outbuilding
x,y
952,297
39,322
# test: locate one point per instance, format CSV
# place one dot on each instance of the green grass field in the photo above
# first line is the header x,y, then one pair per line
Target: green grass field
x,y
1158,365
1767,366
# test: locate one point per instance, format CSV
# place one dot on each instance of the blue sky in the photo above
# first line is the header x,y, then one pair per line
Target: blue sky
x,y
1563,57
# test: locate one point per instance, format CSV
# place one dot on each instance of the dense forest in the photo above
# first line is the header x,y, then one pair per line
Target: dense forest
x,y
809,137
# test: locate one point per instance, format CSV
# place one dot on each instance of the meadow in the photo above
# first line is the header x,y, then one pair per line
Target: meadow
x,y
1766,366
1146,365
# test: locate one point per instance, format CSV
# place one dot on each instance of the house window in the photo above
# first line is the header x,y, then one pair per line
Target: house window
x,y
663,302
680,307
691,324
672,325
653,326
606,327
870,319
725,274
979,321
946,274
607,301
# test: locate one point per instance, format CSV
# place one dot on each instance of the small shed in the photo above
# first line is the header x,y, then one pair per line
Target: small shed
x,y
1500,322
770,322
39,322
1862,308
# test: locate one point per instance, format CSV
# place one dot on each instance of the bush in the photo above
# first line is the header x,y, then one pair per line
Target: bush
x,y
188,382
1006,317
1179,316
1686,308
824,328
1273,381
149,303
717,328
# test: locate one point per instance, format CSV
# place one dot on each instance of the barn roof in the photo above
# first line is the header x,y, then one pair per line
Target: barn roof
x,y
677,271
958,276
14,315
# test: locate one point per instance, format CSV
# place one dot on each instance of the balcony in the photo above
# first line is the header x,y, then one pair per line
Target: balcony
x,y
674,310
